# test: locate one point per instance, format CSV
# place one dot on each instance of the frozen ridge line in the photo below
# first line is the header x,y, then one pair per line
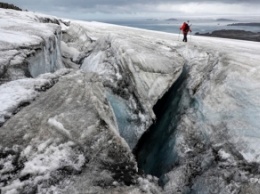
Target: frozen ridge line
x,y
77,136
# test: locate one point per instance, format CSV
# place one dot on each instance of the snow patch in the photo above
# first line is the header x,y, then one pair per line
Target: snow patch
x,y
18,92
42,163
59,126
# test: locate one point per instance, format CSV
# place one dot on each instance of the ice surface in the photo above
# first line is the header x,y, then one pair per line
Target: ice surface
x,y
48,60
127,123
218,109
67,134
231,98
23,91
137,69
28,46
217,130
78,135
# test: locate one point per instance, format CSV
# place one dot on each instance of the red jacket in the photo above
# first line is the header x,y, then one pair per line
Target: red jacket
x,y
185,28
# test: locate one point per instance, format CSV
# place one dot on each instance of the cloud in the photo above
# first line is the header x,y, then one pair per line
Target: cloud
x,y
213,8
135,7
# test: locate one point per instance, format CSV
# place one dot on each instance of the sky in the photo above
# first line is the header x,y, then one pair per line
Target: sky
x,y
102,10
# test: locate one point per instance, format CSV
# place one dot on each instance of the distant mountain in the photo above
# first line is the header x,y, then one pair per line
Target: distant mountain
x,y
245,24
171,19
9,6
234,34
152,19
224,20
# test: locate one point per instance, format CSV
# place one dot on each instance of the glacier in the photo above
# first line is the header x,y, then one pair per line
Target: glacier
x,y
88,107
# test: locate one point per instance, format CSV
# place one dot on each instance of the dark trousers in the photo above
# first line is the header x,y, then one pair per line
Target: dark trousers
x,y
184,37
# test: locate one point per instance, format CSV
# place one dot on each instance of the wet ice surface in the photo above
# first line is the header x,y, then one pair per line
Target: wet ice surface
x,y
78,135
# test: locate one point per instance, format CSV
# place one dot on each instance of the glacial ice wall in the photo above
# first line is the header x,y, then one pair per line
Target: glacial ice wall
x,y
48,59
28,47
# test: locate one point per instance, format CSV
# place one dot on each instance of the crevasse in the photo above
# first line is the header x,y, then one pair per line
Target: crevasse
x,y
155,150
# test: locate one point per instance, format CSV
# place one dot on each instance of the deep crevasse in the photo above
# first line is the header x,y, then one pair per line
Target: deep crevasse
x,y
210,136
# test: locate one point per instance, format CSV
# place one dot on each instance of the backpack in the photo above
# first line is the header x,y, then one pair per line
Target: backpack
x,y
186,27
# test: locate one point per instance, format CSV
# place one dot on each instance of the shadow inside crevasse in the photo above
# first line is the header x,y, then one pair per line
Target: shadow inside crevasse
x,y
155,152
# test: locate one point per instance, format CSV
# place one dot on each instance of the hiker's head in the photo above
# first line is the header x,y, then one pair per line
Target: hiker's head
x,y
188,21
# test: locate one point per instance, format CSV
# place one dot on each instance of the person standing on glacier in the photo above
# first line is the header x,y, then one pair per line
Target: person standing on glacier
x,y
185,28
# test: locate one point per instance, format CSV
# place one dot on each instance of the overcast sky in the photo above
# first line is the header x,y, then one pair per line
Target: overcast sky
x,y
126,9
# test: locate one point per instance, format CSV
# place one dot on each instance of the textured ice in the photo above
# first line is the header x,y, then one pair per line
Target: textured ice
x,y
22,92
214,142
78,136
137,69
48,60
67,134
218,111
29,47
